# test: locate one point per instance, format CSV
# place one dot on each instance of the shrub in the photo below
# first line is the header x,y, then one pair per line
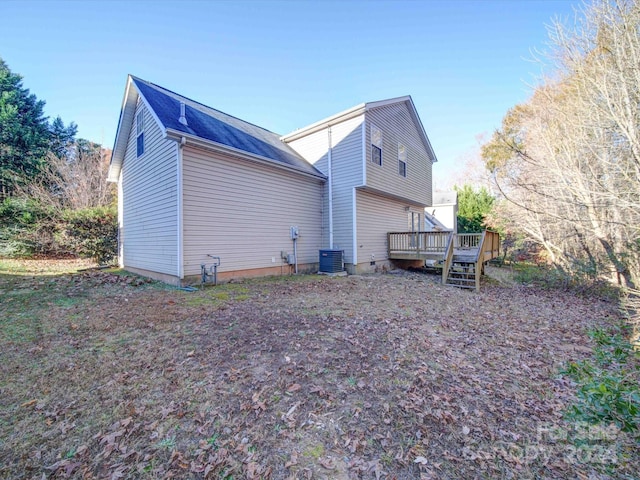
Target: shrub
x,y
609,382
20,211
30,228
26,227
93,233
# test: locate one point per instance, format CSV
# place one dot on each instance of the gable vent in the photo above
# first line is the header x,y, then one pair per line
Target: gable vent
x,y
183,118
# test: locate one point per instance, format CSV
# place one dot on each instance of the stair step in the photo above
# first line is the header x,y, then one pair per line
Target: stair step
x,y
462,274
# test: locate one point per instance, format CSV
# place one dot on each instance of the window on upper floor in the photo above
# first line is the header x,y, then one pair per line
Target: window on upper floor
x,y
402,160
376,145
140,133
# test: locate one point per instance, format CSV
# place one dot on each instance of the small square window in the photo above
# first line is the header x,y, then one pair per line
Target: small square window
x,y
376,155
402,168
402,160
140,133
139,123
376,136
376,145
140,144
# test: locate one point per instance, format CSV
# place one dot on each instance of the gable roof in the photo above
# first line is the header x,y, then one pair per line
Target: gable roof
x,y
206,125
359,110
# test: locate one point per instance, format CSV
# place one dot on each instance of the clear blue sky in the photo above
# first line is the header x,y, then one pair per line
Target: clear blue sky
x,y
285,64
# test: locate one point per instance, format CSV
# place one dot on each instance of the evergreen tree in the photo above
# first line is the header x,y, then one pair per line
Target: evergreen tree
x,y
473,207
24,132
62,138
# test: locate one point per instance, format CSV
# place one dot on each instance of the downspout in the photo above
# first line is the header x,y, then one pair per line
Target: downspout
x,y
120,221
295,255
330,180
180,225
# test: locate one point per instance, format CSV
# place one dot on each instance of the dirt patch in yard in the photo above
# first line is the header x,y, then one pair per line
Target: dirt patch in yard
x,y
105,375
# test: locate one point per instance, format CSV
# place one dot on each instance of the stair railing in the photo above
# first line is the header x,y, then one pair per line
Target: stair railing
x,y
448,258
480,260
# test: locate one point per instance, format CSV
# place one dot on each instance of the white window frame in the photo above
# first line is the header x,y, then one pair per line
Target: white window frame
x,y
140,133
402,160
376,142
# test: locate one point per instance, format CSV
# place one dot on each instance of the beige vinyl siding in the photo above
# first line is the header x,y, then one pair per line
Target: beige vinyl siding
x,y
149,189
346,160
397,126
378,215
314,149
241,211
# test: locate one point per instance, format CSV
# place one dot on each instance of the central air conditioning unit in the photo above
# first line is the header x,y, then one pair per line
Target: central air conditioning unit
x,y
331,261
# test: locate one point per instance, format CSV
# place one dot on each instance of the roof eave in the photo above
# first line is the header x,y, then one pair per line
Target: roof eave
x,y
120,142
389,101
332,120
177,135
124,127
383,193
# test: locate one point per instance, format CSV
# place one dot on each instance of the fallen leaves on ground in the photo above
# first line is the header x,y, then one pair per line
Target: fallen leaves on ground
x,y
381,376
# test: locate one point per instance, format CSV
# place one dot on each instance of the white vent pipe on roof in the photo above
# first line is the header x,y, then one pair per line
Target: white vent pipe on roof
x,y
183,118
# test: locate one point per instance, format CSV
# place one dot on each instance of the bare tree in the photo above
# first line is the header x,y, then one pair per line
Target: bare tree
x,y
568,161
75,181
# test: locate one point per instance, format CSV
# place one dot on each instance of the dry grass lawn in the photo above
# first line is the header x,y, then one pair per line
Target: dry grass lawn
x,y
106,375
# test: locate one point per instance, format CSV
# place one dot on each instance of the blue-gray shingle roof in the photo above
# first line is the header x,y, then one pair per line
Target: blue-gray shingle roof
x,y
210,124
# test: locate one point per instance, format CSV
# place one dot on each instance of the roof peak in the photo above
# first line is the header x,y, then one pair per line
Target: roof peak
x,y
180,117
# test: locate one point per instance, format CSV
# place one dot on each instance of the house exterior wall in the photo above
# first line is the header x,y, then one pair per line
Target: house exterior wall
x,y
397,126
242,211
347,159
314,148
149,212
378,215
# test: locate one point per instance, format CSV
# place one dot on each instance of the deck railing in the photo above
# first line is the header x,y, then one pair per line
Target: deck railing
x,y
490,246
416,243
408,245
467,240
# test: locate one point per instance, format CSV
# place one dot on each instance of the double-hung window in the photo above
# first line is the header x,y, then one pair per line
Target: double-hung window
x,y
140,133
402,160
376,145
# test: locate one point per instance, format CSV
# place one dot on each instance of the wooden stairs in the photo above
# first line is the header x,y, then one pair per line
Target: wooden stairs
x,y
464,263
462,274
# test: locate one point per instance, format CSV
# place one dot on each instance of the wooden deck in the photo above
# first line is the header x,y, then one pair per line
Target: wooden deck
x,y
461,256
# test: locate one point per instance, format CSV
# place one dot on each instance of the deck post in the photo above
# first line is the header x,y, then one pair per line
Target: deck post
x,y
480,259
